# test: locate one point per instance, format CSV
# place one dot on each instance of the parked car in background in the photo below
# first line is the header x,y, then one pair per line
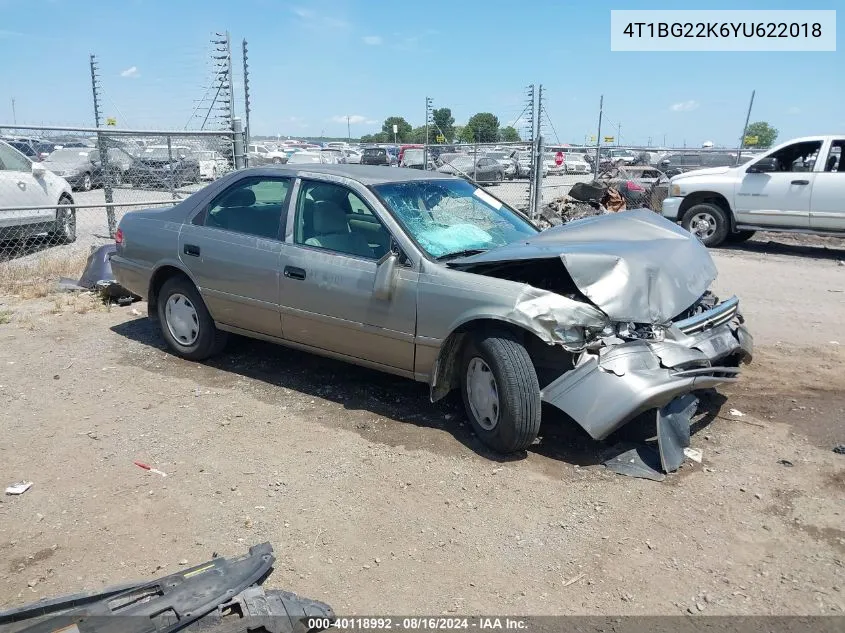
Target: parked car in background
x,y
336,155
574,163
310,158
379,156
80,167
625,156
212,164
481,169
413,158
25,183
160,167
507,158
258,155
431,278
353,156
640,186
682,162
798,186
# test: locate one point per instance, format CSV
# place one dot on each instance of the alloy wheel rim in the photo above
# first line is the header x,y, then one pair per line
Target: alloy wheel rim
x,y
482,394
703,225
182,320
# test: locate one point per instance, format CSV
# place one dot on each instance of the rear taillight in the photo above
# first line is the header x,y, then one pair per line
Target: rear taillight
x,y
118,236
632,186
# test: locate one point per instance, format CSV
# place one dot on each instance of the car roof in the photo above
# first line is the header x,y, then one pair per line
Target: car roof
x,y
365,174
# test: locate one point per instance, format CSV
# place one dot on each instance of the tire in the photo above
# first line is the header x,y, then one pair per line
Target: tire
x,y
739,236
87,182
499,357
277,161
498,178
64,231
180,307
117,178
708,222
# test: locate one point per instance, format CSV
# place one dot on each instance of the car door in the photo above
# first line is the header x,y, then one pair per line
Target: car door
x,y
778,198
827,202
20,188
231,248
329,264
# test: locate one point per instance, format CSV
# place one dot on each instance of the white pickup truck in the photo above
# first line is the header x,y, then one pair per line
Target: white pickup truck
x,y
798,186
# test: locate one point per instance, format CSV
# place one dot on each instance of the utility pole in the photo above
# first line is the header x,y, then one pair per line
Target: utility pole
x,y
427,119
229,77
247,129
14,114
598,140
745,127
108,193
348,130
618,133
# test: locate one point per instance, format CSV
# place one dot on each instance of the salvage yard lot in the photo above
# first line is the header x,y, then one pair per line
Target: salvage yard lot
x,y
380,503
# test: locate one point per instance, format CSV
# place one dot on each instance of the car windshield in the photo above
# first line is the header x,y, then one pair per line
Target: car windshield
x,y
70,155
374,152
449,217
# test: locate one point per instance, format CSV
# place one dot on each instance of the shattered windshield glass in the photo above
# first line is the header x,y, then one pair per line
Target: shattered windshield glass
x,y
448,217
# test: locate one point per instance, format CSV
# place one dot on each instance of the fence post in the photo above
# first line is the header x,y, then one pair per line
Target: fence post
x,y
238,143
475,161
171,170
538,180
108,191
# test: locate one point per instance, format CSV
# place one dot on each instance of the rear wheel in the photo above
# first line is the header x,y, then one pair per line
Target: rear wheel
x,y
64,230
500,391
708,222
277,160
185,322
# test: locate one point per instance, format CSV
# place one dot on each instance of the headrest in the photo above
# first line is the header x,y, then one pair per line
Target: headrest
x,y
240,198
329,218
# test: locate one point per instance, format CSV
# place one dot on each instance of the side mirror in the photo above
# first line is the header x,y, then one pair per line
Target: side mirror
x,y
38,169
385,276
763,165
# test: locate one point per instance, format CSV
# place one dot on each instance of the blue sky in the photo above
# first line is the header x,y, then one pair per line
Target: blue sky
x,y
313,62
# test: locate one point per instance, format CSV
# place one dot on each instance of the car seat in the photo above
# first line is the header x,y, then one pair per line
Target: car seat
x,y
331,231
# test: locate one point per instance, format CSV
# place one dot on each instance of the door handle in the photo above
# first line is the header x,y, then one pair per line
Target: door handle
x,y
22,184
800,182
292,272
193,251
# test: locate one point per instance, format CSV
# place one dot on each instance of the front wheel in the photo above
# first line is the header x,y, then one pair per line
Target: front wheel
x,y
64,230
87,182
501,392
277,161
185,322
708,222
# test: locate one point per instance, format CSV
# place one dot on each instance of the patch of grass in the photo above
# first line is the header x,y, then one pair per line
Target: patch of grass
x,y
36,274
5,316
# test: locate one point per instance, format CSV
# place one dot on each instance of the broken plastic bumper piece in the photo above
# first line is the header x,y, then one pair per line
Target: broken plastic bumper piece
x,y
607,389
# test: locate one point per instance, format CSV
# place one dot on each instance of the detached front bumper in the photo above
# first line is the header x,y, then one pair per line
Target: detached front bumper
x,y
607,389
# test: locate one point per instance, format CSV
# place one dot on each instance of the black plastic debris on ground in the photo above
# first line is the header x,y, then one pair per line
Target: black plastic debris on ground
x,y
839,449
223,595
642,462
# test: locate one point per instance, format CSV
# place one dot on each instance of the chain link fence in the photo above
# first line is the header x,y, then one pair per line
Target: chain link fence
x,y
77,183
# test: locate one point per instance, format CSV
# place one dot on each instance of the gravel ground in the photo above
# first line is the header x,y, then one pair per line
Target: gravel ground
x,y
378,502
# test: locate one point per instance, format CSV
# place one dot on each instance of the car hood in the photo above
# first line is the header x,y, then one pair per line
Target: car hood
x,y
64,165
707,171
633,265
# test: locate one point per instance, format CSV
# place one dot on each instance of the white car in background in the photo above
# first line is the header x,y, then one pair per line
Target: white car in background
x,y
353,156
262,155
305,158
212,164
576,163
24,183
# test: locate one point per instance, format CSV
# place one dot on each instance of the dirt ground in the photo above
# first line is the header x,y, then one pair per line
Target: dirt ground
x,y
378,502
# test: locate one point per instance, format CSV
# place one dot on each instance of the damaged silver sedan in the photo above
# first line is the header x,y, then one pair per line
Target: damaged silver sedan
x,y
430,277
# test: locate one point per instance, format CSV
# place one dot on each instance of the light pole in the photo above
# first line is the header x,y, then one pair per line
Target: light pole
x,y
14,114
348,132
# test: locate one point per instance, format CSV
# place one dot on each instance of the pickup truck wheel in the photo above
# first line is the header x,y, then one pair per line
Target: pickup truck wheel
x,y
740,236
501,392
707,222
185,322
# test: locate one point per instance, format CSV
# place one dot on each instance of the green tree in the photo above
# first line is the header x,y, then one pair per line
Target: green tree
x,y
404,129
467,134
378,137
484,127
509,135
444,123
764,132
418,134
457,134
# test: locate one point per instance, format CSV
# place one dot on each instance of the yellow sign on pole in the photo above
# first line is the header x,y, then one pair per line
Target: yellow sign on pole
x,y
592,139
111,121
752,140
440,138
609,139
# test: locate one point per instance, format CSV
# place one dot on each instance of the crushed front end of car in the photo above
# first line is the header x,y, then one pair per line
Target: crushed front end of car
x,y
631,307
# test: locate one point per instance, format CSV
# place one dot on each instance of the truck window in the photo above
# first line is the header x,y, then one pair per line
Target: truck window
x,y
798,156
